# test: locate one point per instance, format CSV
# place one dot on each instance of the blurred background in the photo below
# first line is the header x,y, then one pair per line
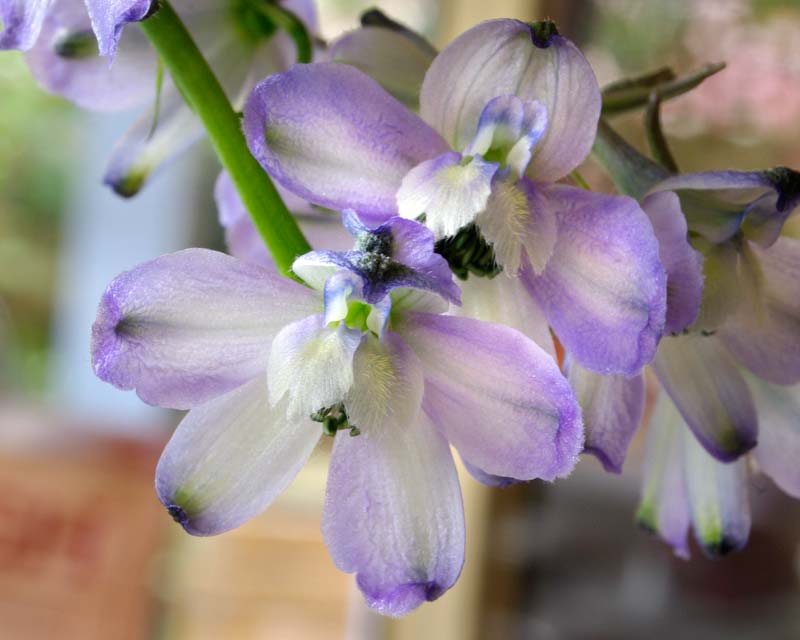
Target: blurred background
x,y
86,550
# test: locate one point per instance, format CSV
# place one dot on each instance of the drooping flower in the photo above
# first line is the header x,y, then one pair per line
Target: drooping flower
x,y
240,42
260,360
506,110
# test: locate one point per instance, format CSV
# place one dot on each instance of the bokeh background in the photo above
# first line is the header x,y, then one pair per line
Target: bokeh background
x,y
85,549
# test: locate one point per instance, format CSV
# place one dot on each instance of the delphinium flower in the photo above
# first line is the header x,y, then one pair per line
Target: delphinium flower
x,y
506,110
240,41
733,306
266,366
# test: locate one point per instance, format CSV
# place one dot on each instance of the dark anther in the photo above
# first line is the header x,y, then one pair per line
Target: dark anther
x,y
542,33
787,184
178,514
334,419
468,252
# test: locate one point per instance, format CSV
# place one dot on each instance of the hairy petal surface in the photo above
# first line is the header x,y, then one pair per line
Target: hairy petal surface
x,y
705,384
500,58
778,447
604,288
393,512
230,458
496,396
718,501
612,410
334,137
683,264
189,326
664,505
765,336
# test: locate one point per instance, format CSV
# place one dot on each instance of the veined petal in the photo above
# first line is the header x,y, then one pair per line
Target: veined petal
x,y
22,22
230,458
612,409
331,135
397,60
684,265
150,142
505,57
664,505
496,396
86,78
110,16
393,515
312,365
604,289
505,301
190,326
704,383
448,191
778,447
719,505
765,336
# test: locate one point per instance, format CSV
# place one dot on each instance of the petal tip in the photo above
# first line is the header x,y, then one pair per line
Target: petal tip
x,y
609,465
542,33
401,599
724,546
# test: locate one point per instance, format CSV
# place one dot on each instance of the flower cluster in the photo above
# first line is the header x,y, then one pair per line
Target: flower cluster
x,y
479,302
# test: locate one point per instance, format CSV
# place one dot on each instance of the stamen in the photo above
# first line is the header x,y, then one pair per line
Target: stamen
x,y
333,419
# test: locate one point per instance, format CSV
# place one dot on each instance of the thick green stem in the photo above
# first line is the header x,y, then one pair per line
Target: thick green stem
x,y
203,93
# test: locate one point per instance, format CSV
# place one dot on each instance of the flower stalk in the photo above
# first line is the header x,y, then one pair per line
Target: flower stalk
x,y
203,93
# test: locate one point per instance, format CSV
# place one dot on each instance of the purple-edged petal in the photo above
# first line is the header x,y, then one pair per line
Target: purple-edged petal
x,y
505,301
322,230
604,289
230,458
496,396
758,201
705,384
312,365
499,58
664,505
718,500
448,191
612,410
488,479
109,17
778,449
684,265
765,336
83,77
331,135
397,60
189,326
393,511
22,22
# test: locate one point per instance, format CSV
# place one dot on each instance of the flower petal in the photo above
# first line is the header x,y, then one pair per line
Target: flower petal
x,y
311,364
22,22
778,447
612,410
604,289
230,458
505,301
704,383
496,396
765,337
449,192
86,79
664,505
331,135
683,264
488,479
189,326
396,60
150,142
393,515
719,505
498,58
110,16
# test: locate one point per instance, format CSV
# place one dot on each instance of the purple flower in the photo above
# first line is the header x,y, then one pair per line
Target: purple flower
x,y
239,43
25,20
259,359
506,110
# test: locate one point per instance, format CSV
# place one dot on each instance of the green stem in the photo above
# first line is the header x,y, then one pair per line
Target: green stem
x,y
291,24
579,180
201,90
